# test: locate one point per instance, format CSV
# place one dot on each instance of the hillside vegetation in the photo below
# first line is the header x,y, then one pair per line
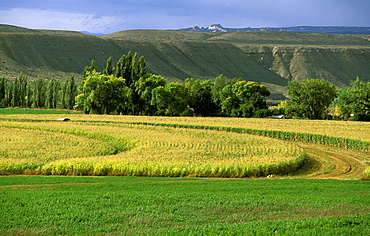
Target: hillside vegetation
x,y
270,58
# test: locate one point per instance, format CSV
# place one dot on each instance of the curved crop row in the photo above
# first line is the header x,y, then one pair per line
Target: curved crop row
x,y
117,144
344,142
27,148
162,151
121,168
347,143
202,157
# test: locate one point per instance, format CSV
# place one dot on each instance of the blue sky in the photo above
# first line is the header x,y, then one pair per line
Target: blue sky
x,y
99,16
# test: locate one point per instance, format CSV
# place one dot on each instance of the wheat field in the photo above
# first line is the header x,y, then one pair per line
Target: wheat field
x,y
101,147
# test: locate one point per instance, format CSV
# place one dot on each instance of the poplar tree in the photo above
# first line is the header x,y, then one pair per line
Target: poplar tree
x,y
23,84
39,89
108,67
68,93
89,69
52,93
3,87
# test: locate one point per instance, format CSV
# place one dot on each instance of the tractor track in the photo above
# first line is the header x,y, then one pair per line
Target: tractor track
x,y
335,163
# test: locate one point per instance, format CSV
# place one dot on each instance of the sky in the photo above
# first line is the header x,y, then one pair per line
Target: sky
x,y
108,16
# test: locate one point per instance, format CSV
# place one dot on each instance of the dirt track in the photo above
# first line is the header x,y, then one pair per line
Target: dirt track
x,y
335,163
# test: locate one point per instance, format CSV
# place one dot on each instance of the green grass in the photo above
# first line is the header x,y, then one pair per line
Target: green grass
x,y
39,205
16,111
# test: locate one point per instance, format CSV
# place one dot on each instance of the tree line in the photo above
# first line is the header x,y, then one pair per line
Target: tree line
x,y
21,92
314,98
126,88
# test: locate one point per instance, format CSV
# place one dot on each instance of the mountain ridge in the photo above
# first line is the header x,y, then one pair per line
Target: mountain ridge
x,y
305,29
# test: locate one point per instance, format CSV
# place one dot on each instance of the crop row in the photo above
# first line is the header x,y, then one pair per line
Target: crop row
x,y
347,143
162,151
117,144
136,149
122,168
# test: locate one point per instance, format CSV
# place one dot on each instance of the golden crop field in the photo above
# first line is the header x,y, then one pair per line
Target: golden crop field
x,y
72,148
23,144
345,129
119,145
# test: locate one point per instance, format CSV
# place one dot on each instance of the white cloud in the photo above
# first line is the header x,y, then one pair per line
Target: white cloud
x,y
46,19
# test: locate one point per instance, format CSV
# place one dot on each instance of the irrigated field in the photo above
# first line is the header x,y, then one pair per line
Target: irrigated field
x,y
38,205
151,151
191,147
176,146
352,130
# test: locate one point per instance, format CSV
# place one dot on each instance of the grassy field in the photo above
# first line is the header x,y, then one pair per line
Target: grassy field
x,y
37,205
12,111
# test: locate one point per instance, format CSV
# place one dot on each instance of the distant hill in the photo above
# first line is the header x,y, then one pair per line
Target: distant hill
x,y
269,57
21,30
305,29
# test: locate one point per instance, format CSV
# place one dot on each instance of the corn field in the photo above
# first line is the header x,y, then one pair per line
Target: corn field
x,y
340,129
163,146
99,148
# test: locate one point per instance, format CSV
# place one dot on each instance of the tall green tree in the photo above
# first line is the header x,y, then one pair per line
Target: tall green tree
x,y
219,84
19,91
125,68
16,93
102,94
29,95
23,84
193,86
89,69
144,88
109,70
39,92
52,93
68,95
355,100
171,99
200,96
204,105
310,98
3,88
130,68
8,94
141,68
243,99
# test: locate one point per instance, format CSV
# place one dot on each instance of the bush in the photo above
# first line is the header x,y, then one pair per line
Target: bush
x,y
262,113
361,117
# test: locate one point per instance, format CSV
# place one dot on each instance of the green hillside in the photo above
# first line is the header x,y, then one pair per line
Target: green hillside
x,y
270,38
271,58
